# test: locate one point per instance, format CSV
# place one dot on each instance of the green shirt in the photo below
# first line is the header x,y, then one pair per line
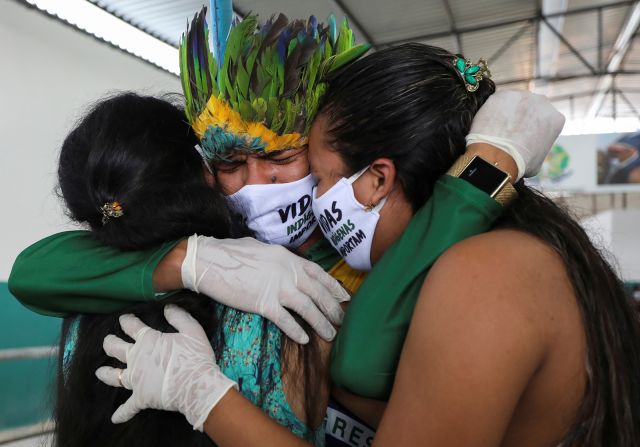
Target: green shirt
x,y
71,272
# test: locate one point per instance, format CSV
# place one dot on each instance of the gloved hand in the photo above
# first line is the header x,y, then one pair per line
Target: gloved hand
x,y
173,372
522,124
265,279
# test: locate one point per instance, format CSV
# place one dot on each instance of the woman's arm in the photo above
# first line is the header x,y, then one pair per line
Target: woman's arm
x,y
71,272
188,380
236,422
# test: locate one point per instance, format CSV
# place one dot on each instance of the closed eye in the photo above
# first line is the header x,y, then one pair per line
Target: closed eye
x,y
286,157
284,161
229,167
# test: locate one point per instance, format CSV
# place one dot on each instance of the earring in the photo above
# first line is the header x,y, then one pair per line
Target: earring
x,y
273,179
369,207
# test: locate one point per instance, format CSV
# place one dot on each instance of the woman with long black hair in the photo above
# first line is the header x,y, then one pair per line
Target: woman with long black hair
x,y
141,150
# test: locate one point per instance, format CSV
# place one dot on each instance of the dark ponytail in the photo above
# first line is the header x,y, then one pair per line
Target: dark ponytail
x,y
84,405
139,151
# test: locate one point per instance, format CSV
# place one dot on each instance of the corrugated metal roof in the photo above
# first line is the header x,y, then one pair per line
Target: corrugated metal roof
x,y
389,21
505,31
164,19
483,12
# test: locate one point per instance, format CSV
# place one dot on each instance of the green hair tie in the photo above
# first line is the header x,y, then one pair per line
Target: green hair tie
x,y
472,74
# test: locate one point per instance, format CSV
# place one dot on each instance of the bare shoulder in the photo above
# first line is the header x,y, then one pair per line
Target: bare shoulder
x,y
505,244
506,279
504,259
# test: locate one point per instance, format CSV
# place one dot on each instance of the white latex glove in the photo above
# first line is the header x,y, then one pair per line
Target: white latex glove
x,y
522,124
173,372
265,279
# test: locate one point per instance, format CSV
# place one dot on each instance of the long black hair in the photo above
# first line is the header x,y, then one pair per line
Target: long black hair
x,y
139,151
84,404
408,103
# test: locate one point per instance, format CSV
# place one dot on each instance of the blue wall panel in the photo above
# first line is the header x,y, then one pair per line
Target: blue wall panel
x,y
26,386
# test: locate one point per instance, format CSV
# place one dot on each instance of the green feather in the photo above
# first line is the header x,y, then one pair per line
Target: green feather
x,y
184,79
280,116
312,69
242,80
251,59
343,58
272,109
259,106
246,111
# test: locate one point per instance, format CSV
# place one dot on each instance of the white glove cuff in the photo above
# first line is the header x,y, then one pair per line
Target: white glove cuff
x,y
225,385
508,146
188,268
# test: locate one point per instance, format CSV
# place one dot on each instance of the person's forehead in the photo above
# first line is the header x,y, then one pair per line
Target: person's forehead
x,y
262,155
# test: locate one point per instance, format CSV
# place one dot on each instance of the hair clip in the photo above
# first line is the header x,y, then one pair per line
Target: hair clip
x,y
109,210
472,74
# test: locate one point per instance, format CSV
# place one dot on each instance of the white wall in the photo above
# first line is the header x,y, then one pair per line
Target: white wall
x,y
49,72
616,231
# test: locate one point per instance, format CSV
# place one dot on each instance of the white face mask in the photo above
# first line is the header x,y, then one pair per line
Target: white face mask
x,y
346,223
278,213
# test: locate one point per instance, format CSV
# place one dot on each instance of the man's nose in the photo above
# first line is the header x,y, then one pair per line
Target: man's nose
x,y
257,172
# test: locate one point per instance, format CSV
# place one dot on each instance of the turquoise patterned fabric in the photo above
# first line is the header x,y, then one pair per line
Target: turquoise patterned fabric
x,y
249,340
243,348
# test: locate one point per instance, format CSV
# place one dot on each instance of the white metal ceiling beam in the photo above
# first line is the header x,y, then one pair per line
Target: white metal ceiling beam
x,y
620,48
548,42
452,23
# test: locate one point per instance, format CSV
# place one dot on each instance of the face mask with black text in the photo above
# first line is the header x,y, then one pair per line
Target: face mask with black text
x,y
278,213
346,223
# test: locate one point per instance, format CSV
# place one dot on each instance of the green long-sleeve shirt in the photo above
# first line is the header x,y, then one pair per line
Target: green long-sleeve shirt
x,y
71,272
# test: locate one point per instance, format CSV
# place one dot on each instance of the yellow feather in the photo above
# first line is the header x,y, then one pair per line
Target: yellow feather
x,y
218,113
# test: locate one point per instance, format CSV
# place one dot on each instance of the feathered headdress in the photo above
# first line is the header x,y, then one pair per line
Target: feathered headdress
x,y
260,89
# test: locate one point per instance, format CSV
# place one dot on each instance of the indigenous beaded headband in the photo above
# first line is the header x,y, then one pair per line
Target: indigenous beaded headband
x,y
472,74
111,209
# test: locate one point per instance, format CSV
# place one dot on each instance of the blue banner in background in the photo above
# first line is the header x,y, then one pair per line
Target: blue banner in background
x,y
26,385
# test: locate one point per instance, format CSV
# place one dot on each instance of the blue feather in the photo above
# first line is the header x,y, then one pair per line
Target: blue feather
x,y
221,18
312,27
333,29
264,29
282,44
